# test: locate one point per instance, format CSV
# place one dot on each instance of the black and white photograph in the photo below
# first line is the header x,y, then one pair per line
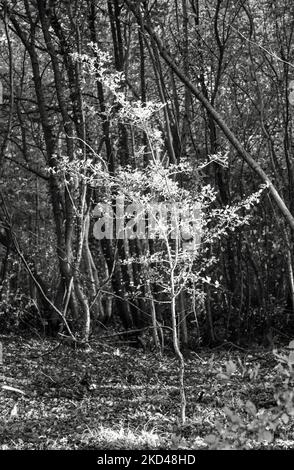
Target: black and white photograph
x,y
146,230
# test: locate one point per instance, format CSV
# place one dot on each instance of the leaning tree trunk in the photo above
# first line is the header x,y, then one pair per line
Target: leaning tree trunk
x,y
133,6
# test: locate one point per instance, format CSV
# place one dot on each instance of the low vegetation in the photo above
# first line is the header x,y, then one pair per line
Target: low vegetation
x,y
121,398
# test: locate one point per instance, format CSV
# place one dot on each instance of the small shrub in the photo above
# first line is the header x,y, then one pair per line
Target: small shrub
x,y
258,427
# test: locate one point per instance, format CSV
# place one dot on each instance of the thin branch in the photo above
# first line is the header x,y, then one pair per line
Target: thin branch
x,y
28,269
272,54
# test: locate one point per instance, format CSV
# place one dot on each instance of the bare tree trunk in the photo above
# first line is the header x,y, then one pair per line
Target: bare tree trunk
x,y
183,320
178,352
153,317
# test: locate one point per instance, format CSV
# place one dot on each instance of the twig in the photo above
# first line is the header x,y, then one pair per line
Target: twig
x,y
12,389
275,56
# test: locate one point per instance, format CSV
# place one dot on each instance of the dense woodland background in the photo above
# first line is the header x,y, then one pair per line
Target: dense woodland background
x,y
223,70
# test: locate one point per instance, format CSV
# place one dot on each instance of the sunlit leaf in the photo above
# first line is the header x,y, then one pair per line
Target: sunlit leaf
x,y
265,435
250,408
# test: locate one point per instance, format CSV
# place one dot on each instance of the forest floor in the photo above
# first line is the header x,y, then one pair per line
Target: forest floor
x,y
123,398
